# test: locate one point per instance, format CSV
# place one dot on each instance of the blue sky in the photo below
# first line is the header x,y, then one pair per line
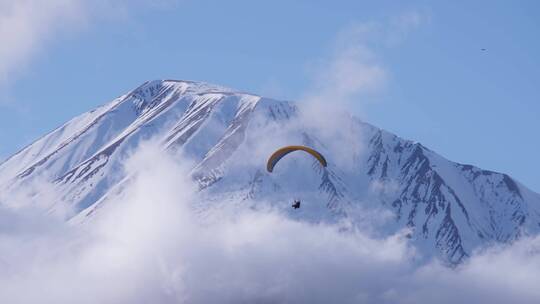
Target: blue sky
x,y
432,82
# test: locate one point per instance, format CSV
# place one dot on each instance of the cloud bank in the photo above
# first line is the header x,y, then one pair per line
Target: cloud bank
x,y
149,245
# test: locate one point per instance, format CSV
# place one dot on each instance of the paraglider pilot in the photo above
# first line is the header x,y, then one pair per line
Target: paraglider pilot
x,y
280,153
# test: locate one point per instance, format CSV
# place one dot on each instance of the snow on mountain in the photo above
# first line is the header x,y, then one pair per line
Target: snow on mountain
x,y
449,209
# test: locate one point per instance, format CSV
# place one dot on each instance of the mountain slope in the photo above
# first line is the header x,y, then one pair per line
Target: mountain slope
x,y
450,209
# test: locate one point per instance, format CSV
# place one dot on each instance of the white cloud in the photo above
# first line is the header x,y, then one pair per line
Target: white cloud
x,y
506,274
351,69
343,82
25,25
28,26
148,245
400,27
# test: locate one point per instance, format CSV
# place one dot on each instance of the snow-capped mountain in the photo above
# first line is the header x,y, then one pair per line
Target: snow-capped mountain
x,y
450,208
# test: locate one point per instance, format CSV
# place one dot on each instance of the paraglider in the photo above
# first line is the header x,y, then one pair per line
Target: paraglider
x,y
280,153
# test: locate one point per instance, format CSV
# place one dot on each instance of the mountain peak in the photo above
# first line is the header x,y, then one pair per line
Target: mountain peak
x,y
450,209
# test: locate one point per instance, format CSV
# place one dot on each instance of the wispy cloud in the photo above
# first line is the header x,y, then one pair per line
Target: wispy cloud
x,y
344,82
26,25
354,67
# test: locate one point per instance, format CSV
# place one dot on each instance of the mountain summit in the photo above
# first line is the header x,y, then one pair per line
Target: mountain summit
x,y
448,209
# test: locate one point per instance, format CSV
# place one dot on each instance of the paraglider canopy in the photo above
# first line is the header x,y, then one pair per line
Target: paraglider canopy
x,y
280,153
